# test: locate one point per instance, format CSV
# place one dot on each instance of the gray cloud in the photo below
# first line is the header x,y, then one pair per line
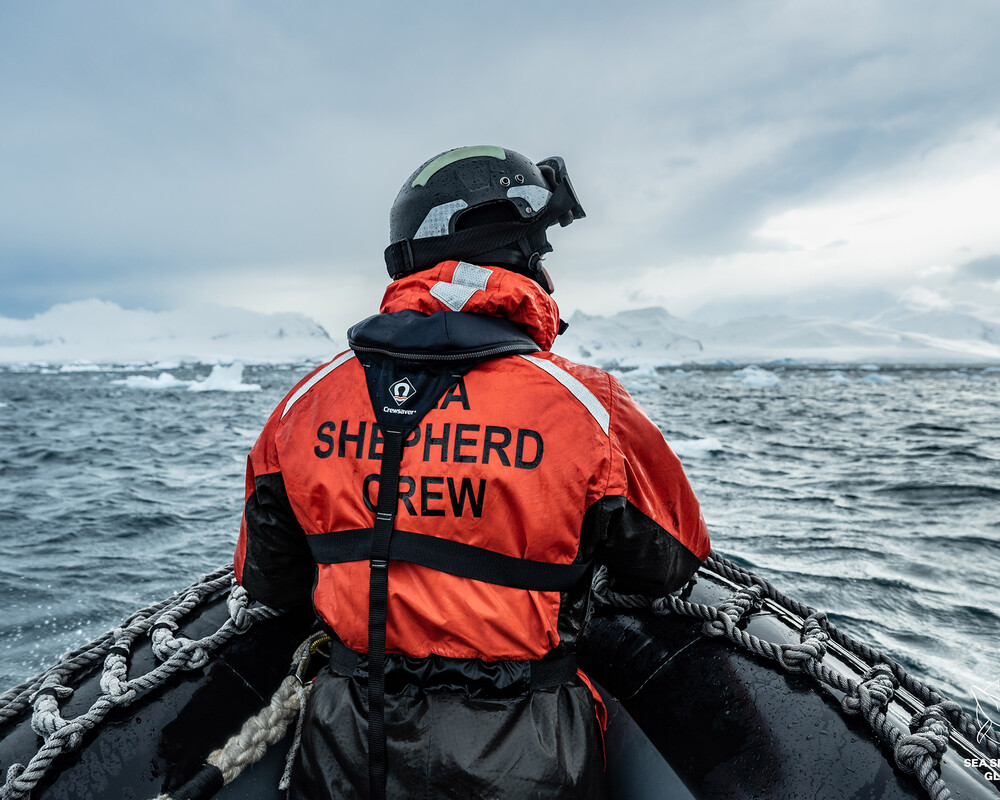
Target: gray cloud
x,y
980,269
144,146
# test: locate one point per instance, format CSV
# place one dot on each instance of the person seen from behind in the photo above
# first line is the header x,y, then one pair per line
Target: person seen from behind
x,y
442,492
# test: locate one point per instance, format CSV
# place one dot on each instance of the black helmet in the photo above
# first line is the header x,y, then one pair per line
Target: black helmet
x,y
484,203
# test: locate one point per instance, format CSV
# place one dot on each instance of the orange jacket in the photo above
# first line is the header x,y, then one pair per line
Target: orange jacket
x,y
522,454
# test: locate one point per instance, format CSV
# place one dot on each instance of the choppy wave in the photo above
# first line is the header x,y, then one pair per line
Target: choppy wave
x,y
696,448
227,378
941,493
876,502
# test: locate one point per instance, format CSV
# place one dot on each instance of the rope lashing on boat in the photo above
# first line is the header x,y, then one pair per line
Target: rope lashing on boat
x,y
46,691
960,720
917,752
265,728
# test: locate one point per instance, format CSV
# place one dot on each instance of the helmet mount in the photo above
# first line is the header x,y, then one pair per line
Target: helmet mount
x,y
480,203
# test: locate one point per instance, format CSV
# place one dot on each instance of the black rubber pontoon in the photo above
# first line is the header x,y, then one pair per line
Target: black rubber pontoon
x,y
689,717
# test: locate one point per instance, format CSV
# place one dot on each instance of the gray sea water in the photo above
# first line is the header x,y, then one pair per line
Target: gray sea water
x,y
873,494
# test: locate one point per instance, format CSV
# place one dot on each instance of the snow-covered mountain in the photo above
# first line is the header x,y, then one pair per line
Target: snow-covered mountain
x,y
100,332
604,339
902,334
952,324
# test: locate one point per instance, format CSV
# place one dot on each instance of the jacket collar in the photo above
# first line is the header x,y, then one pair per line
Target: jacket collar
x,y
490,291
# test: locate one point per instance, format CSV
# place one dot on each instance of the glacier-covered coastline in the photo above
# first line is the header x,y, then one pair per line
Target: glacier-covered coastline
x,y
654,338
94,334
97,333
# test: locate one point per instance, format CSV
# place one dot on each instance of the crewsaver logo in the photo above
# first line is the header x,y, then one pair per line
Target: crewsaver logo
x,y
401,391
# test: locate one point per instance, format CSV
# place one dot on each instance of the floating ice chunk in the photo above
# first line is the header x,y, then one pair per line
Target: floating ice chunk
x,y
838,377
81,366
645,369
696,448
162,381
224,379
755,376
870,367
879,379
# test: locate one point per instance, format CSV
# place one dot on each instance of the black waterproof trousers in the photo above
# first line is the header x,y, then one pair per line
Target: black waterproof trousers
x,y
543,744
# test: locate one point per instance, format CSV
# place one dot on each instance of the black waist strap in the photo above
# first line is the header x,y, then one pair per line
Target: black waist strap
x,y
455,558
545,674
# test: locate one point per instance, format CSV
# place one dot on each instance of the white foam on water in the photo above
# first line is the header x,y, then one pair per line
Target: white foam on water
x,y
696,448
224,379
644,369
81,366
228,378
756,377
162,381
873,378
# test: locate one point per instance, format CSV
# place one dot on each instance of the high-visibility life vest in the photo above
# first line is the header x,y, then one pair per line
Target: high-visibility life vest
x,y
445,486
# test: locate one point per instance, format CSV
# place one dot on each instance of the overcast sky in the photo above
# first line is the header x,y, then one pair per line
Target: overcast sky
x,y
246,153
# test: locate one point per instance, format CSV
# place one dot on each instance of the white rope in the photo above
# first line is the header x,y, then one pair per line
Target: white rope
x,y
46,691
918,752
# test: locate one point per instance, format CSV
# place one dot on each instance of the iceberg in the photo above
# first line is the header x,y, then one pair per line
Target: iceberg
x,y
223,378
89,335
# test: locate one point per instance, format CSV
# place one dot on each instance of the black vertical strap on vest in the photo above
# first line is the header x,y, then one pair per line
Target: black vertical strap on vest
x,y
378,604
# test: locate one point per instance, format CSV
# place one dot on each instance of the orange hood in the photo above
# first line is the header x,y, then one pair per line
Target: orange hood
x,y
505,294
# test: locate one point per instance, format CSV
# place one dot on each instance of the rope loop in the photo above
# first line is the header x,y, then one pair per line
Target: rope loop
x,y
662,606
114,678
744,602
46,719
920,752
180,651
872,693
928,741
239,608
163,639
9,790
52,688
811,648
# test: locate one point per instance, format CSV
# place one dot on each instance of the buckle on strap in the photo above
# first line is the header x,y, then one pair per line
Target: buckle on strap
x,y
378,563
